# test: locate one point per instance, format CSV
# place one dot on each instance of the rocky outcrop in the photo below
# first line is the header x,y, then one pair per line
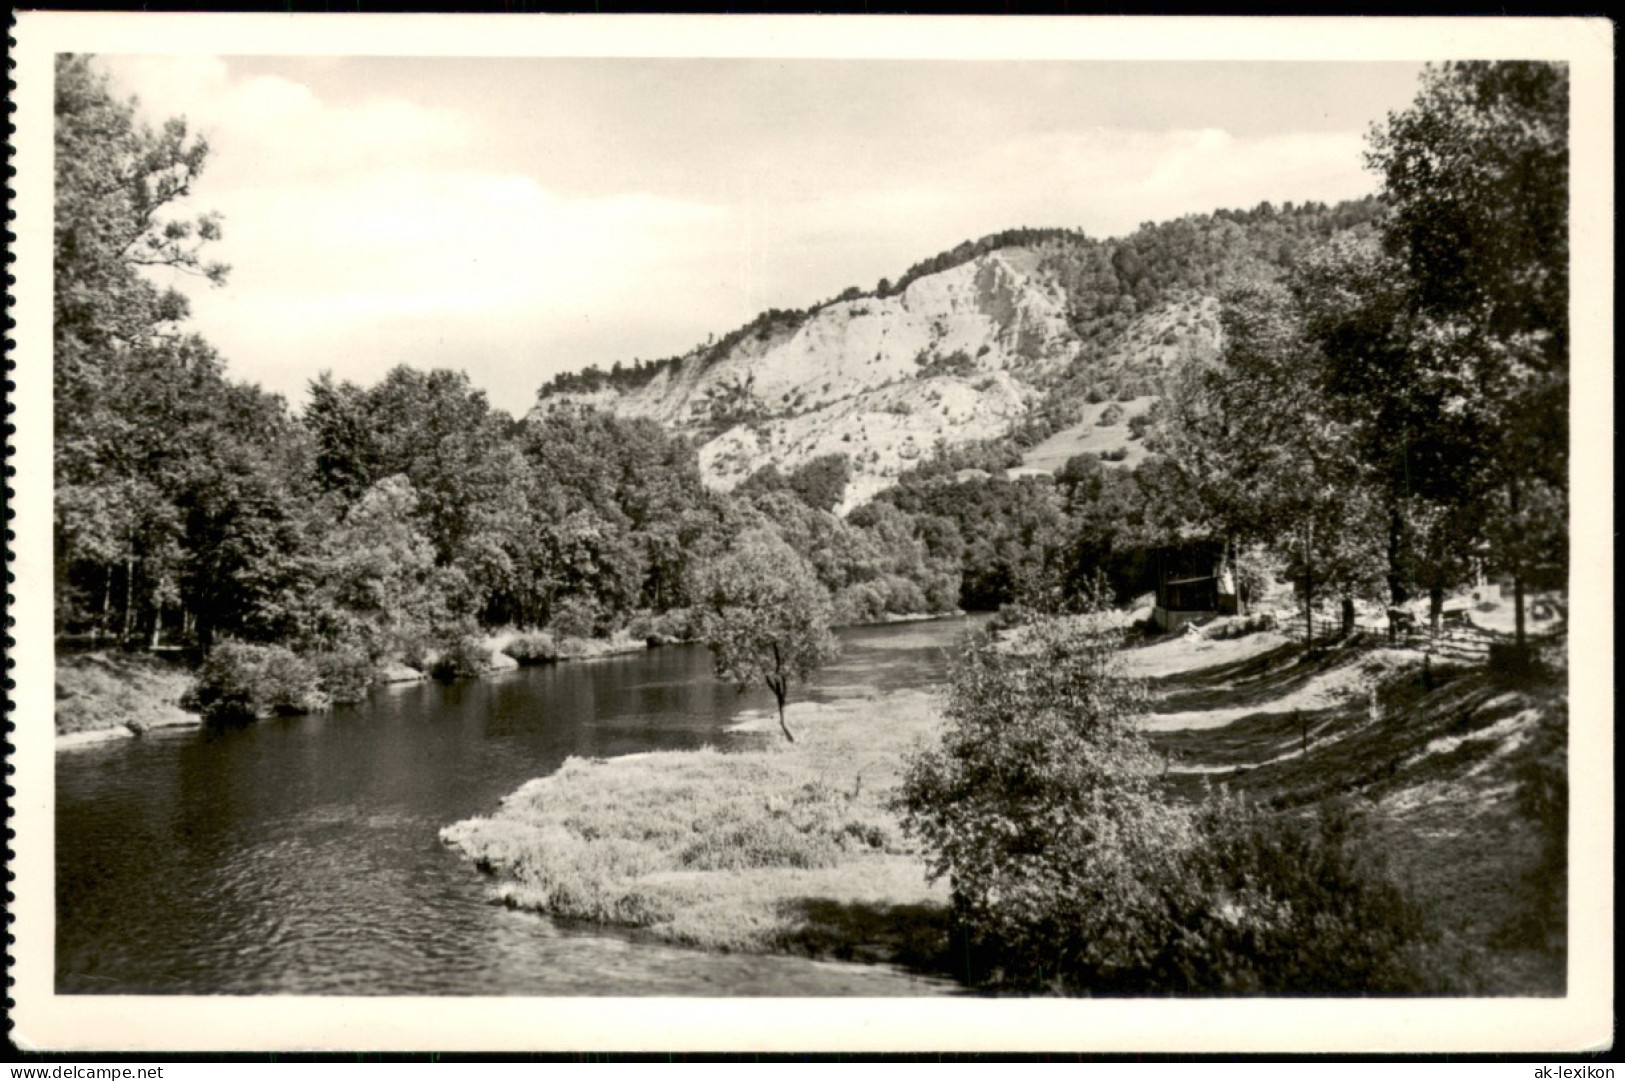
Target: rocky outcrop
x,y
958,356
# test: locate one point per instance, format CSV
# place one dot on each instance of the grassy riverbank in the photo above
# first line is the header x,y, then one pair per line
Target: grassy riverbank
x,y
1442,759
790,847
113,694
109,694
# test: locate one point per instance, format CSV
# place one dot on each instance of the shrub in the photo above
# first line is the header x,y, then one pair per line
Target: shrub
x,y
861,602
242,681
821,482
578,616
904,597
1270,904
1116,455
1112,414
942,591
673,625
465,657
1138,424
532,648
417,650
872,601
958,363
344,675
1038,807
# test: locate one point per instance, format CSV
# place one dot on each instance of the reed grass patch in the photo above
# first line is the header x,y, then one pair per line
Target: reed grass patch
x,y
722,851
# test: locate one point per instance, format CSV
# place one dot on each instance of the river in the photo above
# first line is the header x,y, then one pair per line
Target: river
x,y
300,855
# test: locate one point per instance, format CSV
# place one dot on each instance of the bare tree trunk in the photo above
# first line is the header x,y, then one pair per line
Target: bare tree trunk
x,y
1397,594
780,686
107,601
782,726
1517,568
1517,604
1309,589
129,597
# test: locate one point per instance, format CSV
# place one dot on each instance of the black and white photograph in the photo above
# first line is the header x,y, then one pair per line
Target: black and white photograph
x,y
758,533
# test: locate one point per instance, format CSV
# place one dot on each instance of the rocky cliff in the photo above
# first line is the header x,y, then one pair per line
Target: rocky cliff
x,y
975,344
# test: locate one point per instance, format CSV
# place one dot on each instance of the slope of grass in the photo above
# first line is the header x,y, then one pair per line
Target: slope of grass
x,y
1435,756
1089,437
109,690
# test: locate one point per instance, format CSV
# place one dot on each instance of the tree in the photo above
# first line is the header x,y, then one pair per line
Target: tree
x,y
821,482
1476,175
244,526
1260,457
130,390
1038,803
1312,497
116,181
377,586
1402,407
765,617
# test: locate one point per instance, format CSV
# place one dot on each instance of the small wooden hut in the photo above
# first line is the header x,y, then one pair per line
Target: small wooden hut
x,y
1194,582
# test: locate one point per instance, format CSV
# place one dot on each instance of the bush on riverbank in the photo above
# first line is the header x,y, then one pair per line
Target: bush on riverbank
x,y
243,681
873,601
538,648
464,657
1073,872
665,628
344,675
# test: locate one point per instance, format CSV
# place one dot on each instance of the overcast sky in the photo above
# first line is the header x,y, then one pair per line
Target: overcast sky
x,y
515,218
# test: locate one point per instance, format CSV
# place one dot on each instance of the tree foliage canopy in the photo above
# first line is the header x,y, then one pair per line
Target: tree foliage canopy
x,y
1403,397
1037,803
765,617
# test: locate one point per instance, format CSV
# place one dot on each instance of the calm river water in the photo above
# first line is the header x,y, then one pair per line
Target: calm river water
x,y
301,855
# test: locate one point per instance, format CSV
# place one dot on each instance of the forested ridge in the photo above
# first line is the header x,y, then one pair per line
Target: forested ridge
x,y
1105,281
1387,415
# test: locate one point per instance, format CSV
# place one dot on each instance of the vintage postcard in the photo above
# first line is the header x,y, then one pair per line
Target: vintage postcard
x,y
571,533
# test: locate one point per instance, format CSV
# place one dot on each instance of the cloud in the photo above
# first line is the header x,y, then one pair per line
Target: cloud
x,y
448,241
324,270
265,128
361,234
